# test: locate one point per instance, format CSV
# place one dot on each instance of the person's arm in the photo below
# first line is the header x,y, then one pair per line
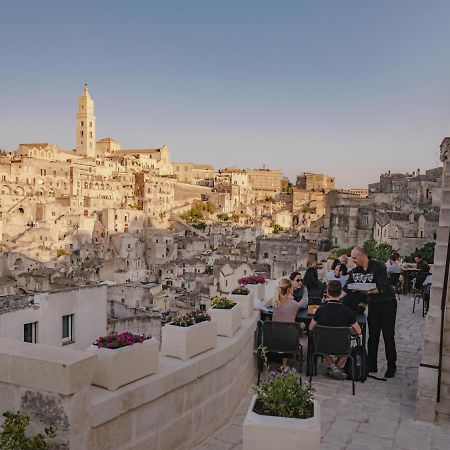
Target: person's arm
x,y
312,324
304,300
356,328
345,289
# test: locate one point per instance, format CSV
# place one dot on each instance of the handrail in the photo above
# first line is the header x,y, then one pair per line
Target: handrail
x,y
443,305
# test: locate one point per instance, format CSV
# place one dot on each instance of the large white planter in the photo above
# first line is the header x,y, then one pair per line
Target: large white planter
x,y
262,432
259,290
186,342
228,320
116,367
245,302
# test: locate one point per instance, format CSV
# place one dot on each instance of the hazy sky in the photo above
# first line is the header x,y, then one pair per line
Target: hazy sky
x,y
348,88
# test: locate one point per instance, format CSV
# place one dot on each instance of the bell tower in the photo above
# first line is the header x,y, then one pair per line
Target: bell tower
x,y
85,125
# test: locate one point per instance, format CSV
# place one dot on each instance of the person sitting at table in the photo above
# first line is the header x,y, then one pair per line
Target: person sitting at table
x,y
300,292
312,283
422,266
285,308
341,274
393,266
335,314
329,274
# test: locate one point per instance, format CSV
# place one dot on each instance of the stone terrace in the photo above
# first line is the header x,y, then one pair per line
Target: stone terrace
x,y
382,413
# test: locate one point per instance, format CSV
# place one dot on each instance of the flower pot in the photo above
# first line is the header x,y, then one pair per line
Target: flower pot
x,y
186,342
245,302
119,366
259,290
281,432
228,320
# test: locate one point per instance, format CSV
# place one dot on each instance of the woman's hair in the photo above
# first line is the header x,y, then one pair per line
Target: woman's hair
x,y
335,263
343,269
281,291
293,275
393,257
311,277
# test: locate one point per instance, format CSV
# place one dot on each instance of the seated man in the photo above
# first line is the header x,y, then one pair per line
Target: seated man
x,y
335,314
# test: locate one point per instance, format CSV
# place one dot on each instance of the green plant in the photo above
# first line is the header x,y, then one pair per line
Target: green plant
x,y
200,226
190,319
62,252
277,228
282,394
222,303
241,290
381,252
223,217
13,435
208,270
427,253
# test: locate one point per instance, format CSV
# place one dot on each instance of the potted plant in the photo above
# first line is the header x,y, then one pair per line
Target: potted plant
x,y
189,335
228,315
282,413
256,283
123,358
244,297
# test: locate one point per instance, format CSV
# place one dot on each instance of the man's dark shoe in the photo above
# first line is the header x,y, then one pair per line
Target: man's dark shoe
x,y
390,372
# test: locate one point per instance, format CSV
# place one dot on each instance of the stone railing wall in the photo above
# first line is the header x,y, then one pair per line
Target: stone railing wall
x,y
176,408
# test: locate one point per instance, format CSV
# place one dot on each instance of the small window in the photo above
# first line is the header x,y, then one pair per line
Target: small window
x,y
82,123
67,329
81,133
266,255
90,124
30,332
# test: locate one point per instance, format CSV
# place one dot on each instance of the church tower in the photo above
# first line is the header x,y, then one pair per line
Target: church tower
x,y
86,125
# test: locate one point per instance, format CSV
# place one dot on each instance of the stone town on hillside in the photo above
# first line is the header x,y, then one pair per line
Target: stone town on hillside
x,y
127,236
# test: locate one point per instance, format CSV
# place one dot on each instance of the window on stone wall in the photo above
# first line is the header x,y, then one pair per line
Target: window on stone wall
x,y
30,332
266,255
67,329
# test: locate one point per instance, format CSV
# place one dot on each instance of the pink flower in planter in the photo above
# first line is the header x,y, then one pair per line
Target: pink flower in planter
x,y
252,279
118,340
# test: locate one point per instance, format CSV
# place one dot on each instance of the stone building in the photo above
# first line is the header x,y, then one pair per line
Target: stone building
x,y
315,182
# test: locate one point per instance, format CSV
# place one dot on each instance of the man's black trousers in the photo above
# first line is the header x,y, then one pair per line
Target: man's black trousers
x,y
381,318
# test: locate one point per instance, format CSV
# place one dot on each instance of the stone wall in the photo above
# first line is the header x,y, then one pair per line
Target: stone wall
x,y
176,408
427,406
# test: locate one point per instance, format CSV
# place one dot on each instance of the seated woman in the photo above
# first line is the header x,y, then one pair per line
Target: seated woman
x,y
341,274
300,292
285,308
314,286
330,274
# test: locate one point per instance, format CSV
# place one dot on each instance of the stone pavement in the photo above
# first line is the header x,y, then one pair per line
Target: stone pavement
x,y
379,416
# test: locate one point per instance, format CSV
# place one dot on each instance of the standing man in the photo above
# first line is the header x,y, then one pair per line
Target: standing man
x,y
382,308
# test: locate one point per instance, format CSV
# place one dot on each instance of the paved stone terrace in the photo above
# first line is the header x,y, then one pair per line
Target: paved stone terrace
x,y
379,416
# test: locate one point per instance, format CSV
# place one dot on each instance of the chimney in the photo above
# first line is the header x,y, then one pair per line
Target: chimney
x,y
418,172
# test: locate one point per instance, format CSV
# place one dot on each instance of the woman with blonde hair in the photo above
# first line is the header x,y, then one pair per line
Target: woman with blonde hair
x,y
285,308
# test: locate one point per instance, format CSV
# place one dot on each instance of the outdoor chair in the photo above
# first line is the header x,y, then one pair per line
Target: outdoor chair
x,y
279,338
394,281
336,341
418,290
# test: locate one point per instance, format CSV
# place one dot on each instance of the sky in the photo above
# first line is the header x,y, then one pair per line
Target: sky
x,y
351,88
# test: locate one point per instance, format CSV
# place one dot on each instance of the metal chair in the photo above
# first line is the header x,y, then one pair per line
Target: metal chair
x,y
336,341
280,338
394,281
417,285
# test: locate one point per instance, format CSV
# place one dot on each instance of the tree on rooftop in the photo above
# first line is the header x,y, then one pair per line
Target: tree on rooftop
x,y
277,228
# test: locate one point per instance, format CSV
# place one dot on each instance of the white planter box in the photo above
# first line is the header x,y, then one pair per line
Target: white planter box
x,y
228,320
259,290
279,432
116,367
186,342
245,302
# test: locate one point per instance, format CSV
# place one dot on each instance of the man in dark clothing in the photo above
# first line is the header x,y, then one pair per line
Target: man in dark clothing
x,y
382,306
422,266
334,314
